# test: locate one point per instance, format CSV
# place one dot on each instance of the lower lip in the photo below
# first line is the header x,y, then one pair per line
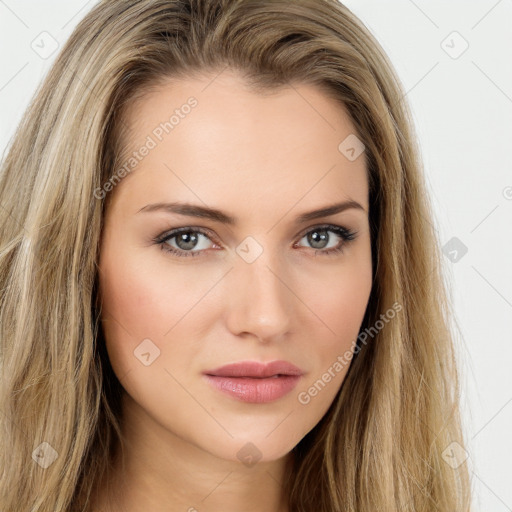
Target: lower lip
x,y
253,390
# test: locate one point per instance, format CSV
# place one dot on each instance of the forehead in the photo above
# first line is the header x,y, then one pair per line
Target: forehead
x,y
235,146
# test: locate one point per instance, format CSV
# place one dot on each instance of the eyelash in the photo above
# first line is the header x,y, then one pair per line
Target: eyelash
x,y
345,234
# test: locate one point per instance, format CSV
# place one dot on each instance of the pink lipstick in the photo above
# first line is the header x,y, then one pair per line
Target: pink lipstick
x,y
254,382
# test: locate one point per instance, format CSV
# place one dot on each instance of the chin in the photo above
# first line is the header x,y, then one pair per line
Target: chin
x,y
255,444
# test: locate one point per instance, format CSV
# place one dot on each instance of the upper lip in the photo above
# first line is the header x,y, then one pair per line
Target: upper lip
x,y
255,369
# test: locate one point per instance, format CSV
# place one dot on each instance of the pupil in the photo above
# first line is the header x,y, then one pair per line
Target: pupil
x,y
186,240
315,238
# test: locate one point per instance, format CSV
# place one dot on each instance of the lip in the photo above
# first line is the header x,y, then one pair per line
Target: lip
x,y
254,382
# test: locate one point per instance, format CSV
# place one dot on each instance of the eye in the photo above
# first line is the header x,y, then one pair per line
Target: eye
x,y
320,239
183,241
190,241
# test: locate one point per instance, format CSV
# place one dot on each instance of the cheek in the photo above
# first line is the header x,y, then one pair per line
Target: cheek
x,y
339,307
142,301
339,299
131,304
345,306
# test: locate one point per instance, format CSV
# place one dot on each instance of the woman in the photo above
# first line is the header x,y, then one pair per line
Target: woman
x,y
300,359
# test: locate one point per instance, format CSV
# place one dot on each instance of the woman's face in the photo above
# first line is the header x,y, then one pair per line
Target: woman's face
x,y
269,285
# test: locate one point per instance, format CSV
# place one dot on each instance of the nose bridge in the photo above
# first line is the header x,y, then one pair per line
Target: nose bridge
x,y
261,302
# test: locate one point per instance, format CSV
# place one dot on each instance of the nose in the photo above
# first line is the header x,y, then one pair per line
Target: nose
x,y
260,301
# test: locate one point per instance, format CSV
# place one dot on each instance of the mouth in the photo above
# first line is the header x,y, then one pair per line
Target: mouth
x,y
254,382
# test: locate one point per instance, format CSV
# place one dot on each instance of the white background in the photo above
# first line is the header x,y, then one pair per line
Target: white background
x,y
463,113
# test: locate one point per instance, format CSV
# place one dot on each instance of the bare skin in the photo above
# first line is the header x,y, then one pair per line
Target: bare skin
x,y
263,159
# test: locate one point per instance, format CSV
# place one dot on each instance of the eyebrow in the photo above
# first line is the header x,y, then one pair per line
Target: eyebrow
x,y
192,210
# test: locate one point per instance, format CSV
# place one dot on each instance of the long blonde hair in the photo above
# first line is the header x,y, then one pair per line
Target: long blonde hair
x,y
380,445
